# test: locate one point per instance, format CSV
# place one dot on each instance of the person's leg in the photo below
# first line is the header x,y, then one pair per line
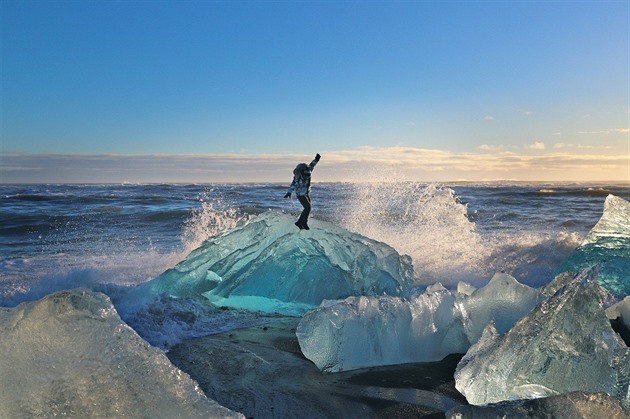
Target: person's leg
x,y
306,203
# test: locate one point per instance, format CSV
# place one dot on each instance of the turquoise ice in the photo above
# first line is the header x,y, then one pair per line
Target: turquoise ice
x,y
607,245
267,264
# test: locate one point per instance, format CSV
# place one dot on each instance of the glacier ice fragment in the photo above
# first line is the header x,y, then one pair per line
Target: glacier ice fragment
x,y
565,344
70,354
268,258
367,331
503,300
465,288
607,245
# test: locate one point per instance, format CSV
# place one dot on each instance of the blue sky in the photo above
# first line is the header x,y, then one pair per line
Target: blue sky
x,y
226,91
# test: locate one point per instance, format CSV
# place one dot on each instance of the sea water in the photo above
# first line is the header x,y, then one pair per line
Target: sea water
x,y
62,236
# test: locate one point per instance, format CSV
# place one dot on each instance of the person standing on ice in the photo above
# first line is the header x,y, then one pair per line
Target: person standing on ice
x,y
301,185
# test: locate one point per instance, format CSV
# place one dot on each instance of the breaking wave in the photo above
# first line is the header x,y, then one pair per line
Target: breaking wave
x,y
431,224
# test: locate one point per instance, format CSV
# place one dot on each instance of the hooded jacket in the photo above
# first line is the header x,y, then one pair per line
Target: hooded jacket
x,y
301,184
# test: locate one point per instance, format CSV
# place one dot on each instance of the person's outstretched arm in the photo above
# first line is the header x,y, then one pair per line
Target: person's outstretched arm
x,y
315,161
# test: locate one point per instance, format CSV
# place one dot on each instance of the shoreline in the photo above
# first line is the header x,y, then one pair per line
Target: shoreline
x,y
261,372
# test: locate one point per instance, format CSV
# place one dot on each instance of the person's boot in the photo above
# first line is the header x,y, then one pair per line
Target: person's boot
x,y
297,223
305,226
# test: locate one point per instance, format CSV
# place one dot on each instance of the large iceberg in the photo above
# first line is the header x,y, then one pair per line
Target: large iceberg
x,y
70,354
367,331
565,344
267,264
607,245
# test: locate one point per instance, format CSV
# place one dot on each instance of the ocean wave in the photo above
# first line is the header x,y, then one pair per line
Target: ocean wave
x,y
580,192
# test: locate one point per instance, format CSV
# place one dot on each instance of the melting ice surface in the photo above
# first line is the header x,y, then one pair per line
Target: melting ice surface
x,y
367,331
566,344
608,245
71,353
267,264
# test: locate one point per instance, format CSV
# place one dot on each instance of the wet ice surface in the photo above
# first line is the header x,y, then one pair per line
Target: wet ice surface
x,y
566,344
366,331
70,354
268,264
608,245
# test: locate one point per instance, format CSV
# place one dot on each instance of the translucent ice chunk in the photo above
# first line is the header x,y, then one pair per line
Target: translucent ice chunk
x,y
565,344
368,331
608,245
465,288
270,258
503,300
70,354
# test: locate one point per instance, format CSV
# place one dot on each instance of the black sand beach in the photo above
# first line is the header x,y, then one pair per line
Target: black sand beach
x,y
261,372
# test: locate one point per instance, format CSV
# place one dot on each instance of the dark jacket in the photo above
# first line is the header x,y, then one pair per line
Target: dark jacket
x,y
301,184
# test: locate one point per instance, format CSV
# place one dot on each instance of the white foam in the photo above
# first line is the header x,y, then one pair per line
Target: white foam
x,y
212,217
430,224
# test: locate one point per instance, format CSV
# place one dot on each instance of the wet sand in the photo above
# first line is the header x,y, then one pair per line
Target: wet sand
x,y
261,372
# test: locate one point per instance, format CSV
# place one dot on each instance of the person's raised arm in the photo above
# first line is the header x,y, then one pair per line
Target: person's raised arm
x,y
315,161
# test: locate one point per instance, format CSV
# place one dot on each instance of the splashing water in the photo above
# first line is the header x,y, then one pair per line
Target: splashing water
x,y
427,222
211,218
133,259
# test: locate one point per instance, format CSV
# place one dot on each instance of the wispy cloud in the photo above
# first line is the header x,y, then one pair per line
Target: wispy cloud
x,y
606,131
593,132
582,146
488,118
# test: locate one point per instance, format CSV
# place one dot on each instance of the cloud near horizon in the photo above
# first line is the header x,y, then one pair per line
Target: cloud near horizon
x,y
537,145
359,164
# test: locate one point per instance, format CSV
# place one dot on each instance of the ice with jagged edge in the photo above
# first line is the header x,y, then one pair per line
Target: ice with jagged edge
x,y
367,331
267,264
565,344
70,354
607,245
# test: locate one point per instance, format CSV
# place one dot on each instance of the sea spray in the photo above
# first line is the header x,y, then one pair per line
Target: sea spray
x,y
213,216
111,261
427,222
430,223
